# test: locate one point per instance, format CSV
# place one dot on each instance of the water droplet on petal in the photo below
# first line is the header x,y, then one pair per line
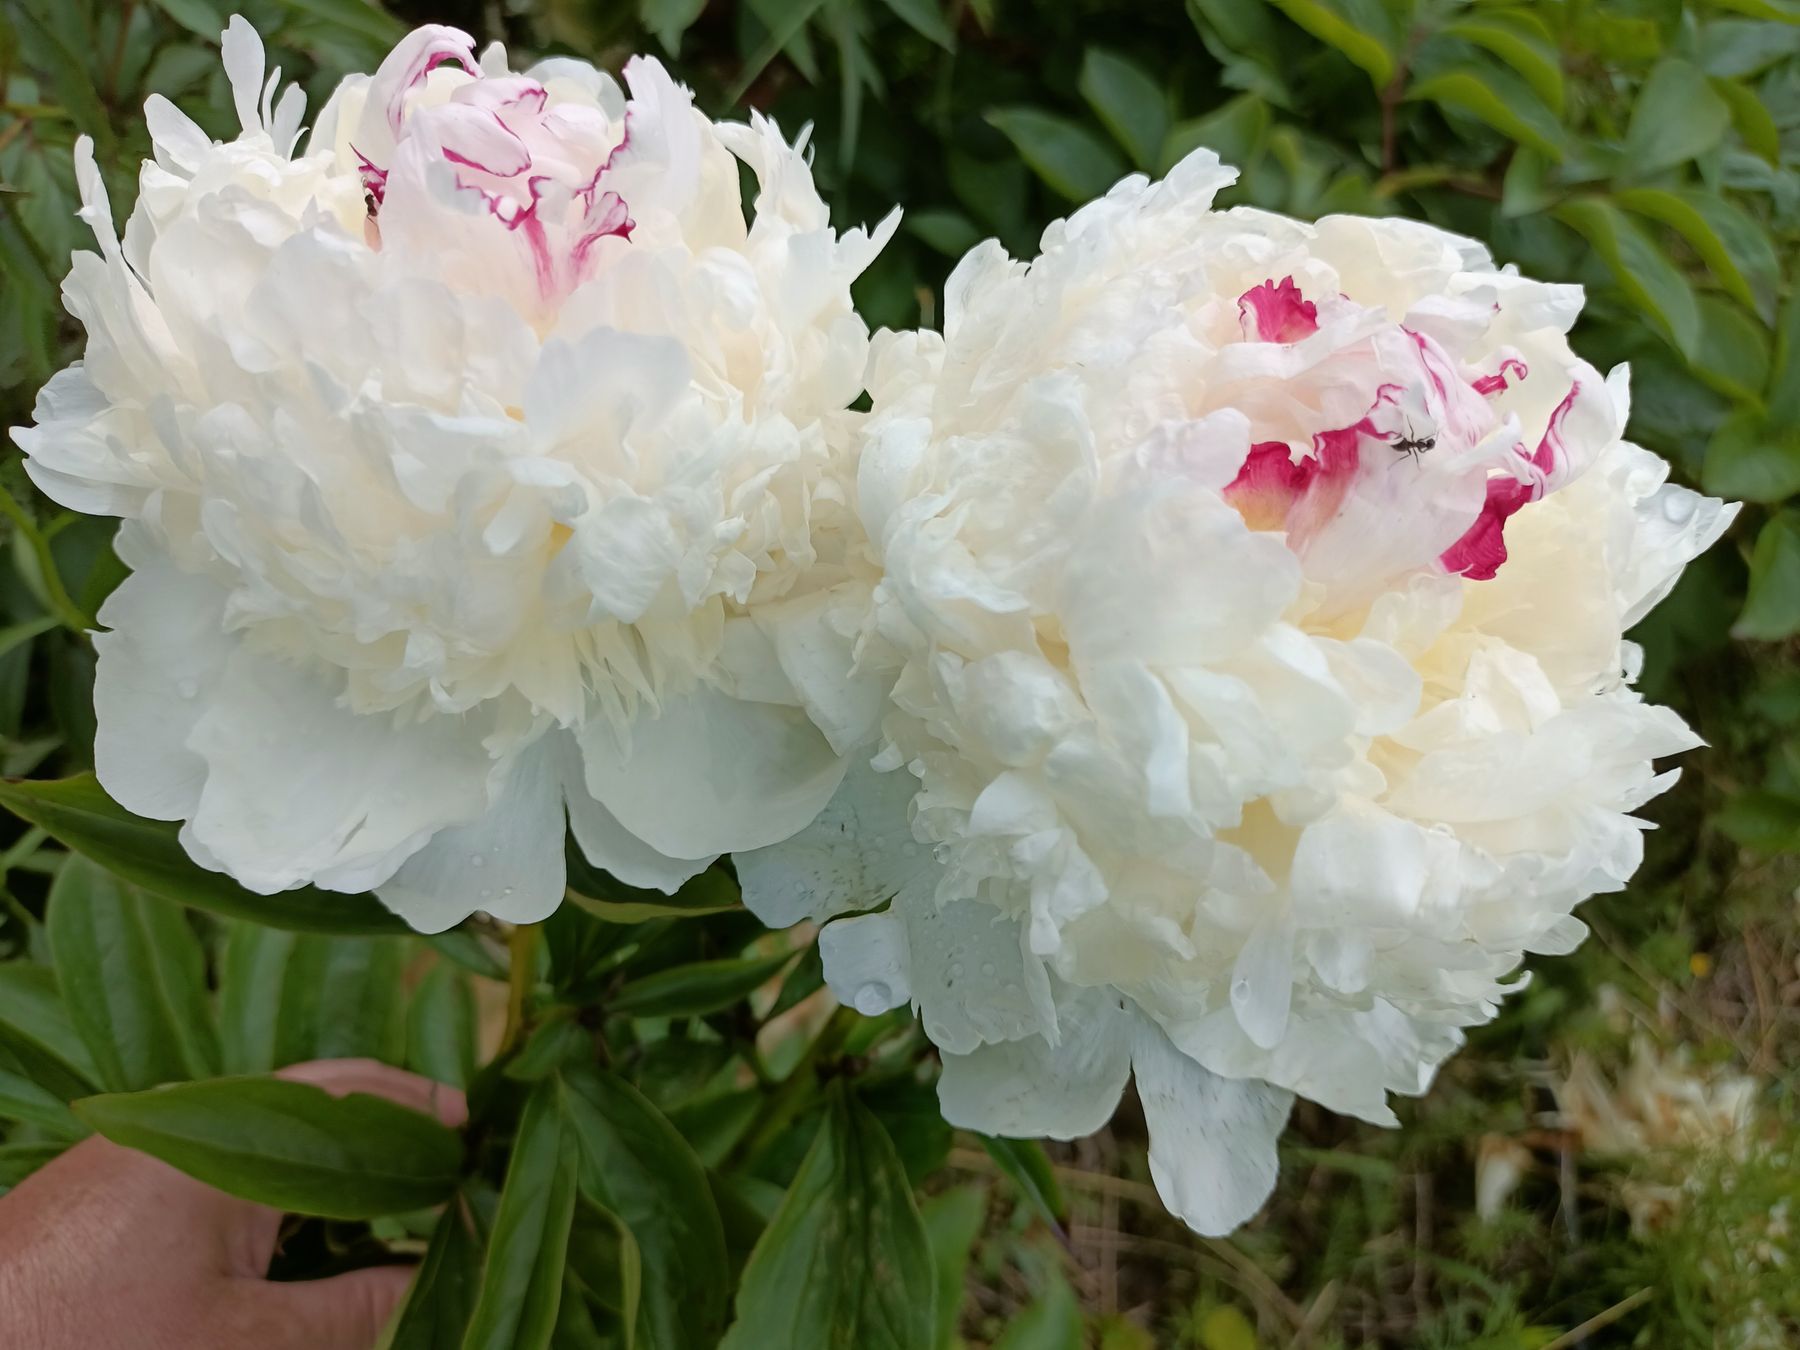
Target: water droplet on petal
x,y
188,688
987,969
1677,506
956,970
476,860
1240,990
873,999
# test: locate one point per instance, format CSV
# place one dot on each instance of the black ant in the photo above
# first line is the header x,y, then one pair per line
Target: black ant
x,y
1410,444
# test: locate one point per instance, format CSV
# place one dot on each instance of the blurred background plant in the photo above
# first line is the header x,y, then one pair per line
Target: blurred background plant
x,y
1612,1162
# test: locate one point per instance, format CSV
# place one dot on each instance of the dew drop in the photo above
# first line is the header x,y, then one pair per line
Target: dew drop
x,y
506,890
1240,990
188,688
987,969
476,860
873,999
909,850
956,970
1677,506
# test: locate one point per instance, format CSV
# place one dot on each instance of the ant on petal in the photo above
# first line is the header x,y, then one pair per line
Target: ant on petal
x,y
1411,444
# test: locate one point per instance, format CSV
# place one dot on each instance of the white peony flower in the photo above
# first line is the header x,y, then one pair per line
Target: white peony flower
x,y
457,456
1252,596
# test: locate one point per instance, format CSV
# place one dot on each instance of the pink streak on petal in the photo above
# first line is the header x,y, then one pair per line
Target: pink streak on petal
x,y
1482,549
1550,454
374,178
606,216
1277,312
1511,368
418,54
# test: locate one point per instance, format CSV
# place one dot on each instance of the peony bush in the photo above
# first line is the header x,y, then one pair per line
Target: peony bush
x,y
557,637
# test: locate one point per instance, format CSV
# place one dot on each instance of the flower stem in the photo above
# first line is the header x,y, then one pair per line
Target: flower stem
x,y
521,947
797,1091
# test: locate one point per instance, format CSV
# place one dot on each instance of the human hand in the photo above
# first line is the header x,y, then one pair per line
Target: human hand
x,y
108,1249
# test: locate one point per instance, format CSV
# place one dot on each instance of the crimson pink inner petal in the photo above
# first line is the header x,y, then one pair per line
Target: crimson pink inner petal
x,y
1277,312
1479,553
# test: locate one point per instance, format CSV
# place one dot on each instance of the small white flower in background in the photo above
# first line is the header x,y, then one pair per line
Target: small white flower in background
x,y
1253,596
459,453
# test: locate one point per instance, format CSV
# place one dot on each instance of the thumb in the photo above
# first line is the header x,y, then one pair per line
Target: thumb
x,y
345,1312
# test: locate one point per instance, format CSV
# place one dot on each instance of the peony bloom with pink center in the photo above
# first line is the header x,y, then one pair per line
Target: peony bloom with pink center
x,y
1250,598
470,450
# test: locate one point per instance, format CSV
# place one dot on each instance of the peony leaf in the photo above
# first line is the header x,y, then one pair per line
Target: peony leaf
x,y
1768,822
1360,29
953,1220
1065,154
607,1265
711,892
636,1167
199,17
291,1146
443,1292
1772,608
133,978
845,1263
440,1027
35,1026
1050,1322
1753,459
1677,117
698,988
1500,99
522,1283
1519,38
357,17
290,997
148,854
1128,102
1784,371
1733,245
925,17
1751,116
1733,352
31,1104
1640,267
1026,1165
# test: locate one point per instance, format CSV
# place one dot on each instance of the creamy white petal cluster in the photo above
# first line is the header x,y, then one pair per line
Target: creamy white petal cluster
x,y
1252,596
459,455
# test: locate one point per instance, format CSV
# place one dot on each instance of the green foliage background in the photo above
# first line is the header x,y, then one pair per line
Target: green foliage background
x,y
671,1135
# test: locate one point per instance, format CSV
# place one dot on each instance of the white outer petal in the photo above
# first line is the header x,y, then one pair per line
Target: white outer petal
x,y
508,861
1212,1139
867,964
856,853
166,651
712,774
1030,1087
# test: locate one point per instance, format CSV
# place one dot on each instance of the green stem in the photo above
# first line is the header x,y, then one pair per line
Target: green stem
x,y
521,946
68,613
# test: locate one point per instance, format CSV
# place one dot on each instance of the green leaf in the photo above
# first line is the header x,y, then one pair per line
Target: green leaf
x,y
358,18
1500,99
443,1292
133,978
1753,459
440,1027
953,1220
1750,115
1128,102
290,997
1639,266
1225,1328
702,987
669,19
199,17
291,1146
1733,245
1787,11
1519,38
522,1284
1050,1322
1677,117
148,854
845,1263
48,51
1733,355
607,1263
1784,370
635,1165
1025,1164
550,1045
1772,608
1768,822
950,233
927,18
1360,29
24,1101
1065,154
32,1011
1234,130
18,1161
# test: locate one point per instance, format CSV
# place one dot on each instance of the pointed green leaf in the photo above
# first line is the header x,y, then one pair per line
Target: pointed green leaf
x,y
522,1282
1128,102
953,1221
1065,154
1727,238
290,997
1772,608
1052,1321
845,1263
1502,100
1360,29
38,1029
1751,116
440,1027
699,988
927,18
1640,267
24,1101
147,854
1677,117
1753,459
1519,38
291,1146
443,1292
133,978
635,1165
1028,1167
